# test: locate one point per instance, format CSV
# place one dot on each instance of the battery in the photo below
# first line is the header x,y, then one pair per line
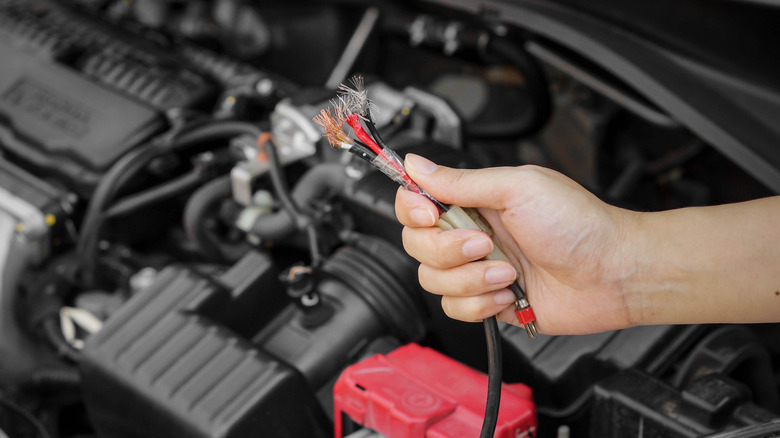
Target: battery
x,y
417,392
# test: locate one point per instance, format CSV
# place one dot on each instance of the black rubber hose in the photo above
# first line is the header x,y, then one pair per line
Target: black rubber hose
x,y
214,131
281,188
200,206
316,183
87,246
126,168
301,220
51,329
495,375
154,195
536,85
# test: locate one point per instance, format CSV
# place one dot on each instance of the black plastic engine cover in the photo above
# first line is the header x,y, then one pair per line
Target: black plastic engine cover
x,y
562,369
160,368
635,404
61,121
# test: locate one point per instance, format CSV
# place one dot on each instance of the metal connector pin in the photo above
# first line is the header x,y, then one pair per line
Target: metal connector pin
x,y
525,314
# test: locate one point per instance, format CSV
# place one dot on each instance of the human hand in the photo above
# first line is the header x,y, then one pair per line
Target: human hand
x,y
568,247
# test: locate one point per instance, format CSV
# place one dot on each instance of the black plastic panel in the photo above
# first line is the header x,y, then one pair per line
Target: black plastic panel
x,y
159,368
562,369
634,404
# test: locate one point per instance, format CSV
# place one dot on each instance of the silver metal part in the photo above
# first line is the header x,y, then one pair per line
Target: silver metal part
x,y
72,318
142,279
362,433
530,328
242,176
30,225
294,134
448,127
390,100
353,49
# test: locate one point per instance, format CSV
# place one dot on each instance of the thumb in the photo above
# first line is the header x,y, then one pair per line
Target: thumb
x,y
487,188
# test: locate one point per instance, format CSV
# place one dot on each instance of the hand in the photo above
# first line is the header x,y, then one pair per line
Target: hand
x,y
567,246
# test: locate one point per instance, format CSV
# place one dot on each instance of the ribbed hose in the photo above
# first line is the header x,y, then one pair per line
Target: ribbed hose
x,y
378,283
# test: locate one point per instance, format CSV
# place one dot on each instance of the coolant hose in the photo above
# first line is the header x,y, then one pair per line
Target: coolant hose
x,y
317,183
199,207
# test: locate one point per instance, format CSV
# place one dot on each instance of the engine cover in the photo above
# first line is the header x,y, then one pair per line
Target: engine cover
x,y
164,366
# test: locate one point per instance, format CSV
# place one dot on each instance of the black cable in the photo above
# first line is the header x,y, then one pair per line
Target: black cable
x,y
36,424
155,194
282,190
214,131
375,133
127,167
517,290
495,375
362,151
109,185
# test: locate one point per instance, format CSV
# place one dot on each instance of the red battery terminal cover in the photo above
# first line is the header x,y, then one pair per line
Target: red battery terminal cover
x,y
417,392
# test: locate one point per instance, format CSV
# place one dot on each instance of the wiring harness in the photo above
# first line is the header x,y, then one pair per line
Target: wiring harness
x,y
353,108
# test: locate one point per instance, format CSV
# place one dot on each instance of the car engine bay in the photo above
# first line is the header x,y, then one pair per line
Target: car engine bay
x,y
154,284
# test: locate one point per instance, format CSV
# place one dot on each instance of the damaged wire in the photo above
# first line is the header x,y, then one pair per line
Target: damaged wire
x,y
354,108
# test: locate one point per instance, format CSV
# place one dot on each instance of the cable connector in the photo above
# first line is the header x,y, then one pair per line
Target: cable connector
x,y
525,315
469,218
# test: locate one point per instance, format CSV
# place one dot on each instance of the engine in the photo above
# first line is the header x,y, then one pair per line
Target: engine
x,y
155,281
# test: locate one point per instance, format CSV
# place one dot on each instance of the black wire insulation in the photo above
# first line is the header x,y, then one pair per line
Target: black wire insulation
x,y
302,221
375,134
362,151
495,376
517,290
154,195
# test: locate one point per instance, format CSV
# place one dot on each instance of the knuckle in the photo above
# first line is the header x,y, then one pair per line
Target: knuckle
x,y
439,254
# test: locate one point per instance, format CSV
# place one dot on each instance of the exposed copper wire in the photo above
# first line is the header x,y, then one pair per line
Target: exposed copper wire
x,y
332,126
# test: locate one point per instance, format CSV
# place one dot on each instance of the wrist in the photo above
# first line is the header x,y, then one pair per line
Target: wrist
x,y
650,276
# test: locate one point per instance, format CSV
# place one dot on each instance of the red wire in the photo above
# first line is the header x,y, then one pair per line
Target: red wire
x,y
353,120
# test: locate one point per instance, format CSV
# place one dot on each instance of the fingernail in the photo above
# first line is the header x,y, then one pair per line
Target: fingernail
x,y
422,216
420,165
477,247
504,297
499,274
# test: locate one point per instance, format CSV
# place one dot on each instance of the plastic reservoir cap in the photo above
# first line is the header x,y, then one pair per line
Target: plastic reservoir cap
x,y
417,392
